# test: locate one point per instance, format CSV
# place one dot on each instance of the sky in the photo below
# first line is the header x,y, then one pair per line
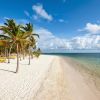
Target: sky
x,y
63,25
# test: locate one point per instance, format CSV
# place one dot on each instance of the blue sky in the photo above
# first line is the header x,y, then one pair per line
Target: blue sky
x,y
61,24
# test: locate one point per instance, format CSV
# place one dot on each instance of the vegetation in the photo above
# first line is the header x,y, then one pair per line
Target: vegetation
x,y
17,39
37,52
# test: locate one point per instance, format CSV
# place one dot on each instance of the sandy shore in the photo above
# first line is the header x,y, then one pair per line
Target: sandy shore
x,y
47,78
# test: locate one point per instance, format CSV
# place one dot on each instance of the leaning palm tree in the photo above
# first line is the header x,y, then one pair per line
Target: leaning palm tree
x,y
13,31
28,29
8,30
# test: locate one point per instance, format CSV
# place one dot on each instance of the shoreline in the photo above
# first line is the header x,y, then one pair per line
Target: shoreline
x,y
89,74
48,78
80,83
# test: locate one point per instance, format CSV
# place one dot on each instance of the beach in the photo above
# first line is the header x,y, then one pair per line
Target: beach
x,y
47,78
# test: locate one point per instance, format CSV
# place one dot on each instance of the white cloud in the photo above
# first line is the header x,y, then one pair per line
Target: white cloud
x,y
40,11
91,28
61,20
91,40
27,13
49,41
86,42
6,18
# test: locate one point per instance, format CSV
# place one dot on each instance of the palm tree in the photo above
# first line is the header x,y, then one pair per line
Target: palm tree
x,y
13,31
4,42
3,45
8,30
19,37
37,52
28,29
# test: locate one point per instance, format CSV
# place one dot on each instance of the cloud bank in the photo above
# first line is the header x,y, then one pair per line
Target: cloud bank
x,y
87,41
91,28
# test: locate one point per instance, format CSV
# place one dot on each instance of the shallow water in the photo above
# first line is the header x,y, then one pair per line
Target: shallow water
x,y
89,60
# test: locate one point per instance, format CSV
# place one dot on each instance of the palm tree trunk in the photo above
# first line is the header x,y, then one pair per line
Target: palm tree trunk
x,y
29,56
9,51
20,54
23,54
5,51
8,55
17,58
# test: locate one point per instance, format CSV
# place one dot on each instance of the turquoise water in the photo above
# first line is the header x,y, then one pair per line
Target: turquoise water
x,y
89,60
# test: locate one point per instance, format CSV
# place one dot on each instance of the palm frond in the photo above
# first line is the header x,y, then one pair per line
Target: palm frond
x,y
36,35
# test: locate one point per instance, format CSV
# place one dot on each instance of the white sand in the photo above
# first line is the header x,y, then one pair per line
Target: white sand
x,y
47,78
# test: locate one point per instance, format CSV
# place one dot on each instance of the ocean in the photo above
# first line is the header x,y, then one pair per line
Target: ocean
x,y
89,60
